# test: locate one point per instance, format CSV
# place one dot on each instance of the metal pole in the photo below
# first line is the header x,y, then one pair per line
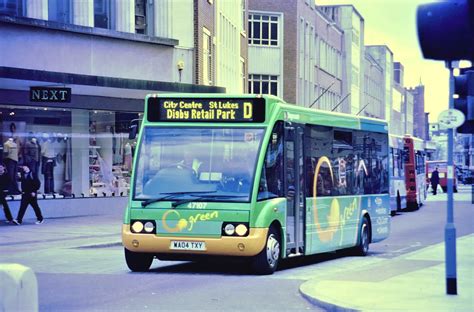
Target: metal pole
x,y
362,109
325,90
332,110
450,230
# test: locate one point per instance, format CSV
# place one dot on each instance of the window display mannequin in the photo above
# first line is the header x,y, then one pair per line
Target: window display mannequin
x,y
127,156
48,162
10,158
32,156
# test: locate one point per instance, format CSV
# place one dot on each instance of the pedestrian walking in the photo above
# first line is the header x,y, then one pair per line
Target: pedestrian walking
x,y
435,180
4,186
29,187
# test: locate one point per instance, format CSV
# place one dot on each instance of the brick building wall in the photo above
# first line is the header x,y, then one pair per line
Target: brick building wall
x,y
290,39
204,15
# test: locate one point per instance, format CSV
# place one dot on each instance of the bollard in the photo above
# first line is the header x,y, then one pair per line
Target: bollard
x,y
18,288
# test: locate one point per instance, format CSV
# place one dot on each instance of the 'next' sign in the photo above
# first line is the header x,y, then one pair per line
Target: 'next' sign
x,y
50,94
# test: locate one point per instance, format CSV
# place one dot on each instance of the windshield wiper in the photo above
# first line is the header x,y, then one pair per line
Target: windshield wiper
x,y
171,195
201,197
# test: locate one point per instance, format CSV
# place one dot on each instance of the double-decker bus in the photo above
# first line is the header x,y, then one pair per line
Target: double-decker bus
x,y
415,178
253,177
442,166
398,192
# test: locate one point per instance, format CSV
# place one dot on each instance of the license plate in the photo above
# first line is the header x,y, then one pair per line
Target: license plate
x,y
186,245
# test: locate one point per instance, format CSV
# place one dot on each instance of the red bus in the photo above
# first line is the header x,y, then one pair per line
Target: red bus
x,y
443,177
415,179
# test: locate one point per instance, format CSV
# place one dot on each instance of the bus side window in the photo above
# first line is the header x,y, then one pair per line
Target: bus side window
x,y
318,143
271,179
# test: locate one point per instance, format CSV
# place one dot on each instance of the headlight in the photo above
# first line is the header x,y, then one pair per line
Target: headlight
x,y
137,227
241,230
149,227
229,229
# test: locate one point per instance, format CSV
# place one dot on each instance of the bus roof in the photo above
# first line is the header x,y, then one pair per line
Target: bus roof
x,y
396,141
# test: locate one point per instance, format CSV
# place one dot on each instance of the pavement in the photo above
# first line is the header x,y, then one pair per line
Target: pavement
x,y
412,281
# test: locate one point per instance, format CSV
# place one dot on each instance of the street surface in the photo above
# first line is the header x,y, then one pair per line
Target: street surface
x,y
80,265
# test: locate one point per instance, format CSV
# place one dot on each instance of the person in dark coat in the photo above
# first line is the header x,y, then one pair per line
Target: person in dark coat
x,y
4,186
434,180
29,187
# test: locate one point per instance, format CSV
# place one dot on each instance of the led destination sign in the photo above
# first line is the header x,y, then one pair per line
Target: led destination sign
x,y
206,110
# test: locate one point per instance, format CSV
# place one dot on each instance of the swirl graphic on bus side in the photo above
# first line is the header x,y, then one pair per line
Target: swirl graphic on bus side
x,y
333,218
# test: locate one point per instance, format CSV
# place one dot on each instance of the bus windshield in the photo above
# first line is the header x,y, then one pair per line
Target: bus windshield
x,y
208,164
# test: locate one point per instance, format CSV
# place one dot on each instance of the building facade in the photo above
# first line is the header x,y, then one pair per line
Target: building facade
x,y
384,57
295,52
420,127
374,88
353,72
409,116
73,74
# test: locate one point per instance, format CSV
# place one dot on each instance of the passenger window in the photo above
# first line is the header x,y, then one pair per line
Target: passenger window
x,y
271,179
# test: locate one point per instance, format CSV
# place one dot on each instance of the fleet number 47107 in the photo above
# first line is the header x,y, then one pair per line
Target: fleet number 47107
x,y
193,205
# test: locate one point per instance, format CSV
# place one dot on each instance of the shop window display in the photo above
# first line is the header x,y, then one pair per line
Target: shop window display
x,y
86,159
110,156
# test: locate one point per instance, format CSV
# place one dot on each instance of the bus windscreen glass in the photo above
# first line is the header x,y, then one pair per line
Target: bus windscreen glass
x,y
218,163
206,110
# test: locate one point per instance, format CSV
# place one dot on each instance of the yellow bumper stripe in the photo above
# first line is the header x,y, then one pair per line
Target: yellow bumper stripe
x,y
224,246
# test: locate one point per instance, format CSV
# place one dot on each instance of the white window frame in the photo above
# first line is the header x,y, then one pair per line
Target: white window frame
x,y
260,78
261,18
206,57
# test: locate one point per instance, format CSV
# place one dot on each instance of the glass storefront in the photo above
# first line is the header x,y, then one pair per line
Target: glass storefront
x,y
73,152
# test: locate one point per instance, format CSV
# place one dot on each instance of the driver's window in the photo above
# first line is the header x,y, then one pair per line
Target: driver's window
x,y
271,179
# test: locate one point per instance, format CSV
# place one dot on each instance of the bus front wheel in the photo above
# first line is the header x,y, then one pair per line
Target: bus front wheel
x,y
362,249
137,261
267,260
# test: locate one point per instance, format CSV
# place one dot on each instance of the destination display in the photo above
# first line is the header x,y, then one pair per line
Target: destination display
x,y
206,110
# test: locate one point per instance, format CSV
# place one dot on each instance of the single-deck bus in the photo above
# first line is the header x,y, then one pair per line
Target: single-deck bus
x,y
398,191
253,177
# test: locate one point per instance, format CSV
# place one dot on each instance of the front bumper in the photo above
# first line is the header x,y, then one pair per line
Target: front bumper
x,y
222,246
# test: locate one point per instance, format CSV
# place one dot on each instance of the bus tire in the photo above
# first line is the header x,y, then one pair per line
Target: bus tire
x,y
267,260
138,261
362,248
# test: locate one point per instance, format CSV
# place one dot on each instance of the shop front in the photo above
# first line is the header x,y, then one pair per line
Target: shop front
x,y
73,152
78,147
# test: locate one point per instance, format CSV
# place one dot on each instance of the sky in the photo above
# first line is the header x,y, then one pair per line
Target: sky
x,y
393,23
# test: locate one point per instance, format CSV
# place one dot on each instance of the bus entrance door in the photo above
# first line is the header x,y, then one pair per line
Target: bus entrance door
x,y
294,190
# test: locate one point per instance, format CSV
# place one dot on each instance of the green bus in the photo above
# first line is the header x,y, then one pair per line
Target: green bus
x,y
253,177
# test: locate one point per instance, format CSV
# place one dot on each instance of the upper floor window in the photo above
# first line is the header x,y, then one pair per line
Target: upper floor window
x,y
263,30
206,57
244,13
103,14
242,73
60,11
143,17
13,7
263,84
